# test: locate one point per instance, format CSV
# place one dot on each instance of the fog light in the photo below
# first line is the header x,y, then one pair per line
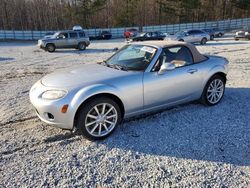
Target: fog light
x,y
64,108
50,116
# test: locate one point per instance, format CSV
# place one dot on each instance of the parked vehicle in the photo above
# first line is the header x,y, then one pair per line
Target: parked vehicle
x,y
243,34
139,78
192,36
105,35
218,32
132,32
102,35
65,39
210,32
149,36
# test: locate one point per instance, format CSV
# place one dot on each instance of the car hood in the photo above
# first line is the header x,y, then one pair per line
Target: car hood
x,y
82,75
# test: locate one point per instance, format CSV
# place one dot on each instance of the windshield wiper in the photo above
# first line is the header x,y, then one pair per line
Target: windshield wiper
x,y
116,66
120,67
104,63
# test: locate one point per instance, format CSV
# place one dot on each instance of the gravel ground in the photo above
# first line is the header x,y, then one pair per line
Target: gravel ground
x,y
186,146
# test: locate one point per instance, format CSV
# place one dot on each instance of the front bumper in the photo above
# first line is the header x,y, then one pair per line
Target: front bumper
x,y
49,111
242,36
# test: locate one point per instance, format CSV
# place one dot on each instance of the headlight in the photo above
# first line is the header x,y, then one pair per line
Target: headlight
x,y
53,94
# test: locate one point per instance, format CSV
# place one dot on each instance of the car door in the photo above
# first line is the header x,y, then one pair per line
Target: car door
x,y
199,35
148,36
62,40
175,86
72,41
189,36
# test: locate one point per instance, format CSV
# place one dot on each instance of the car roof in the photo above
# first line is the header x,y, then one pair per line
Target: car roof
x,y
197,56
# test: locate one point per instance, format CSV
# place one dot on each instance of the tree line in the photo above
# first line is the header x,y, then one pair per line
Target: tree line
x,y
63,14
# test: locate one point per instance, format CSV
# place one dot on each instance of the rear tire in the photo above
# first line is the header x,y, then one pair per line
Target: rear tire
x,y
203,41
213,91
98,118
81,46
50,48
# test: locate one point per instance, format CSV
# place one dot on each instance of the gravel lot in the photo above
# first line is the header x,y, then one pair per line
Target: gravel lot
x,y
186,146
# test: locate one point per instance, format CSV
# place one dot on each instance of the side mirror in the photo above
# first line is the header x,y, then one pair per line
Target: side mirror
x,y
166,67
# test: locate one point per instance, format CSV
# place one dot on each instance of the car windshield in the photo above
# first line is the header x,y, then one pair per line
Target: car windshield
x,y
56,34
141,34
132,57
180,33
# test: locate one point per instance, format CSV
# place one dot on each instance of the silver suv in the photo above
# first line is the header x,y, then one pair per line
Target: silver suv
x,y
192,36
65,39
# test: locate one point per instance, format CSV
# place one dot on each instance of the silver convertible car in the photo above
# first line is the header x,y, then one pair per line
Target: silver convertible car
x,y
139,78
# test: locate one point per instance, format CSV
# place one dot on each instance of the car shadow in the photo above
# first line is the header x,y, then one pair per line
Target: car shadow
x,y
193,131
6,59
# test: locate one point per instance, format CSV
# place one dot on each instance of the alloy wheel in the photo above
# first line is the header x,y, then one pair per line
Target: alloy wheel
x,y
101,119
215,91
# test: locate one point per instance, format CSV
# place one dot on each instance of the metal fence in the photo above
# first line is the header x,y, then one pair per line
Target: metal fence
x,y
118,32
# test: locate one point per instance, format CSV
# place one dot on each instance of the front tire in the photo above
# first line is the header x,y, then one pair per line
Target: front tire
x,y
213,91
81,46
203,41
98,118
50,48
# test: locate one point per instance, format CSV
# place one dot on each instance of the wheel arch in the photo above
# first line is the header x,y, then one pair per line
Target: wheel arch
x,y
112,96
220,73
50,43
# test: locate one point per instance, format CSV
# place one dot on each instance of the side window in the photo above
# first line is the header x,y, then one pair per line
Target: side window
x,y
179,55
81,34
154,34
182,57
148,34
63,35
73,35
191,32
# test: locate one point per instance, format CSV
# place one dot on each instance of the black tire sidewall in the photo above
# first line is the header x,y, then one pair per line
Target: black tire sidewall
x,y
204,99
80,119
81,46
47,47
203,41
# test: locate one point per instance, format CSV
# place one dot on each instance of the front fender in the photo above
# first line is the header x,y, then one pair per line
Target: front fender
x,y
89,91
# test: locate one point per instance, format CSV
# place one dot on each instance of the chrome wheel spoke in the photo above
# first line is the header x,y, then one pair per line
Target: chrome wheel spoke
x,y
91,123
92,130
97,111
209,95
100,129
109,111
111,123
103,108
105,126
92,116
111,116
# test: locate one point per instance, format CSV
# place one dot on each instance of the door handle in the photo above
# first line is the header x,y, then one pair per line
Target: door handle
x,y
191,71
